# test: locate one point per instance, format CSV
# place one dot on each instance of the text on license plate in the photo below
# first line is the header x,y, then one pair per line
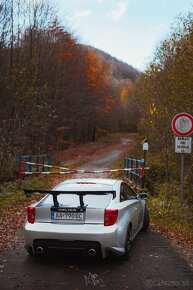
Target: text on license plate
x,y
67,216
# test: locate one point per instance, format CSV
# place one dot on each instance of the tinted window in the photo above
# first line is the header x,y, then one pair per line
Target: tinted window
x,y
123,193
126,192
72,200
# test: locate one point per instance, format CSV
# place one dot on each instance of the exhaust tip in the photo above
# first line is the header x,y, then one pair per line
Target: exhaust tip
x,y
92,252
39,250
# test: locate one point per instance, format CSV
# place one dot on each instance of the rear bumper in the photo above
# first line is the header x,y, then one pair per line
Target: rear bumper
x,y
108,238
68,246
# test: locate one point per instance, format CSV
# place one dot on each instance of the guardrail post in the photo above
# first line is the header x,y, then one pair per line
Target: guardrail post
x,y
124,163
37,161
49,161
43,162
137,171
20,165
30,165
128,166
131,166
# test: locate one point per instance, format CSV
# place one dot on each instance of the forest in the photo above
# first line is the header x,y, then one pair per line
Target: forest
x,y
53,90
165,89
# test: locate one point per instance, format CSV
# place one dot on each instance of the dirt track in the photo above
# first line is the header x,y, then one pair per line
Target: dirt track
x,y
152,264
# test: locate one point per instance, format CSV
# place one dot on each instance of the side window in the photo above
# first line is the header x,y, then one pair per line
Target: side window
x,y
123,195
128,193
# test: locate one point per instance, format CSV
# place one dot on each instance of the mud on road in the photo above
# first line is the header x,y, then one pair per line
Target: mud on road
x,y
153,264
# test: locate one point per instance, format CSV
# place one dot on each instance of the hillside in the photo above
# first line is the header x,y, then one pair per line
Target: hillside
x,y
55,91
117,68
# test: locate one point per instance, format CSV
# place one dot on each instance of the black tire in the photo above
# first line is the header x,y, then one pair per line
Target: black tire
x,y
145,220
127,245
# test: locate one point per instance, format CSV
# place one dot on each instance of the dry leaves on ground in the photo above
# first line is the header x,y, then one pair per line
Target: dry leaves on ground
x,y
182,242
11,219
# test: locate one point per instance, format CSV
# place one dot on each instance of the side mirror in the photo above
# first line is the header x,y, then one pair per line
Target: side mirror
x,y
142,195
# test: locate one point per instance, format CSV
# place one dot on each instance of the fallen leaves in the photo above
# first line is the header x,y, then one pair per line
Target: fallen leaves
x,y
180,240
11,219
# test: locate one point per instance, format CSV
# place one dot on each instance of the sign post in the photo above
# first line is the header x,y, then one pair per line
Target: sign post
x,y
145,145
182,125
182,179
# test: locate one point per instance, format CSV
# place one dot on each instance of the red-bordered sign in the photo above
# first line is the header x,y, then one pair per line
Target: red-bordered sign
x,y
182,124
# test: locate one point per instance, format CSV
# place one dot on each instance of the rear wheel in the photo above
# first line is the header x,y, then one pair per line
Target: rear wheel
x,y
145,220
127,245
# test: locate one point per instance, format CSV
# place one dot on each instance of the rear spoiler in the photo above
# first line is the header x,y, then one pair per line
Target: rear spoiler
x,y
55,193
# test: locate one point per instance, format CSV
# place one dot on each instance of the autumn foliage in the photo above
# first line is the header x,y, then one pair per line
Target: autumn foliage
x,y
164,90
54,91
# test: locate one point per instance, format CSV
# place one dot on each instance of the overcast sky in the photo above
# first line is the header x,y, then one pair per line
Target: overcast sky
x,y
127,29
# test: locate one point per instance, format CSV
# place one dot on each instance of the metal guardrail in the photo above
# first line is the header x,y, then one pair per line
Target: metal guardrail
x,y
135,175
36,164
31,162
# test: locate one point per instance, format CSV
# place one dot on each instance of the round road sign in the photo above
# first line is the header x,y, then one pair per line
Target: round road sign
x,y
182,124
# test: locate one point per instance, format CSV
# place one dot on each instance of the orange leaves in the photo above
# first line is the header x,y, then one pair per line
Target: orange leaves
x,y
96,70
124,94
93,76
97,75
123,97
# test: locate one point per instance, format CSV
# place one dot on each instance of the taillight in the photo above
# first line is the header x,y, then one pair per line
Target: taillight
x,y
110,217
31,214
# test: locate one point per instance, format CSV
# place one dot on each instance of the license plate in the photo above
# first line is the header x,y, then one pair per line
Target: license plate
x,y
72,214
69,216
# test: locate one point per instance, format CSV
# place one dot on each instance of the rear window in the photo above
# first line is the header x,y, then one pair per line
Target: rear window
x,y
72,200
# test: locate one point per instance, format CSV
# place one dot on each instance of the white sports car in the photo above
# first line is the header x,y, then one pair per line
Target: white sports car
x,y
97,216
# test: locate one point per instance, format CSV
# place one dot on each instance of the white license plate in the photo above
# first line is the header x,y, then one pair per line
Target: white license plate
x,y
77,216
